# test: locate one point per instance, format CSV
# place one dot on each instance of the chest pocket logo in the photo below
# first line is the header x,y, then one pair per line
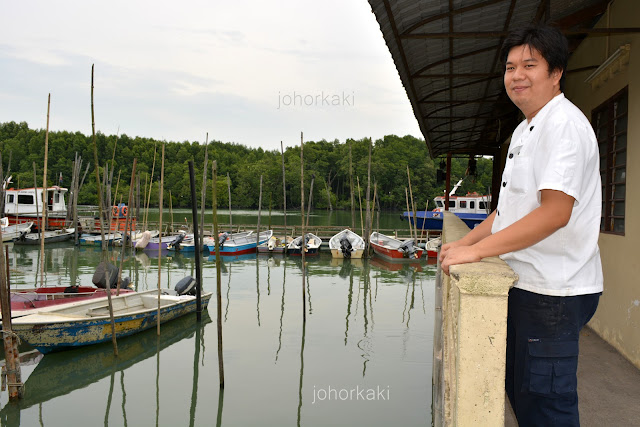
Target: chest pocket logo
x,y
520,174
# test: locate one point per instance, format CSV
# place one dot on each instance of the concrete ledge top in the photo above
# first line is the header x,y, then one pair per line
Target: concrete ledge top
x,y
491,276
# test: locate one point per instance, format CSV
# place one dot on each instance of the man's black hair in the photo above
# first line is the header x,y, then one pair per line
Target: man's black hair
x,y
549,41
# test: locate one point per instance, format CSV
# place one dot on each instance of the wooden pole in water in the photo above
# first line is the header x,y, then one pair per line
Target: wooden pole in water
x,y
10,339
360,201
196,240
353,205
303,244
44,220
100,207
204,192
146,209
229,189
171,208
413,206
284,194
40,231
313,178
126,223
218,278
160,203
76,189
367,232
137,200
406,195
259,215
373,210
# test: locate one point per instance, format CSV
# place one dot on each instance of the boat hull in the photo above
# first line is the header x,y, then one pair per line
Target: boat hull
x,y
337,253
433,220
48,337
393,254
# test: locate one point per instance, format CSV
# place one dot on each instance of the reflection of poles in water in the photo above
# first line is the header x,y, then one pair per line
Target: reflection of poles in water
x,y
109,398
284,279
424,310
158,381
258,289
268,279
196,371
309,296
220,403
124,398
304,329
349,299
226,312
413,298
214,167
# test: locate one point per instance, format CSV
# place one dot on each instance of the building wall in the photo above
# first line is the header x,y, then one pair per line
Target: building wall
x,y
618,317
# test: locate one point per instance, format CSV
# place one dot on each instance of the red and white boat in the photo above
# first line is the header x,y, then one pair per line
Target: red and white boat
x,y
20,206
394,249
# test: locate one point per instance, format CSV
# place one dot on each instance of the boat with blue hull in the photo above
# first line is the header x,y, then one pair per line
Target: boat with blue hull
x,y
472,209
88,322
239,244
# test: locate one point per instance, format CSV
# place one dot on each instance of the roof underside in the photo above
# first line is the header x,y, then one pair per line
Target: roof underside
x,y
447,56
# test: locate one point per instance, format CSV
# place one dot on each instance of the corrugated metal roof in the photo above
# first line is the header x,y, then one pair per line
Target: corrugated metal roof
x,y
446,53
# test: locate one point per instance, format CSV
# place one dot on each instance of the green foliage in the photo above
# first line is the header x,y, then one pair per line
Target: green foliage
x,y
328,161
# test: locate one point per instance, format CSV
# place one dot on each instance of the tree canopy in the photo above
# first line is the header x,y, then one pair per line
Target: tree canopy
x,y
326,161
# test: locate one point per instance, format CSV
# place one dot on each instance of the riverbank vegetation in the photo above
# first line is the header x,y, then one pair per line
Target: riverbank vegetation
x,y
326,162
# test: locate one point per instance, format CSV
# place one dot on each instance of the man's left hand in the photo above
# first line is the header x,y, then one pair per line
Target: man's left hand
x,y
459,255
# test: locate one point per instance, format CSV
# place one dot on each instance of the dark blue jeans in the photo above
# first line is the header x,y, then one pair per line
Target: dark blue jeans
x,y
542,356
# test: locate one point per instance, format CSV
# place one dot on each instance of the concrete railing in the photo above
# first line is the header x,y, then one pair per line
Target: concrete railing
x,y
470,338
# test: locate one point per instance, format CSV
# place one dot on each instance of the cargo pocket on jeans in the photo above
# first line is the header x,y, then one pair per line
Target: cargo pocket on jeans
x,y
552,367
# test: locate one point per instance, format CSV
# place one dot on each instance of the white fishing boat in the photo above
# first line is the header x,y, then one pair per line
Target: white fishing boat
x,y
11,232
53,236
312,248
346,244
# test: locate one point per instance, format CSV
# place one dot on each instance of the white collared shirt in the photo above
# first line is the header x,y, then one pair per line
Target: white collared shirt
x,y
558,150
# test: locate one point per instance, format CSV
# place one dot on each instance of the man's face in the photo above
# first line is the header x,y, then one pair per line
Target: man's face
x,y
528,81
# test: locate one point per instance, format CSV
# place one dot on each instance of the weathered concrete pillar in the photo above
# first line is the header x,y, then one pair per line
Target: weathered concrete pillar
x,y
469,362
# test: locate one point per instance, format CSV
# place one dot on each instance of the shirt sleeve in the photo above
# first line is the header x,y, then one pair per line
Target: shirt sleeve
x,y
565,151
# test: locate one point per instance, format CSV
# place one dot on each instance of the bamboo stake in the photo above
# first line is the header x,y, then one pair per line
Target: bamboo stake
x,y
353,205
259,215
100,202
360,201
171,208
144,198
204,191
137,199
303,244
218,278
368,213
196,240
413,206
126,224
44,192
10,340
313,178
373,209
146,210
424,220
76,189
41,232
406,194
160,235
284,194
229,189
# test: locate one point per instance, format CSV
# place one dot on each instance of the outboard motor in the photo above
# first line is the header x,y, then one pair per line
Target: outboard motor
x,y
222,237
345,247
408,250
186,286
100,276
176,242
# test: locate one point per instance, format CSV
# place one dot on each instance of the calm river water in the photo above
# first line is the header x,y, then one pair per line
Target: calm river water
x,y
363,357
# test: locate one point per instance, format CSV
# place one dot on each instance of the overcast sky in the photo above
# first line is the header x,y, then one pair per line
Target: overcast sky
x,y
251,72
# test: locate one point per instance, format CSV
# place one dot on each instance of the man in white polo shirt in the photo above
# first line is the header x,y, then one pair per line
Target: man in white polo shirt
x,y
546,227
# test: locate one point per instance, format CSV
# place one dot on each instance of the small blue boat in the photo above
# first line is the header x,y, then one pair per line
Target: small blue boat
x,y
241,243
88,322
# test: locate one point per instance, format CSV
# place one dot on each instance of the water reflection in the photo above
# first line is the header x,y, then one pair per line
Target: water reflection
x,y
364,328
60,374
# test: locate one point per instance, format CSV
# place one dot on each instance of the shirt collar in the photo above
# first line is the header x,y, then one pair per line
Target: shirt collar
x,y
545,110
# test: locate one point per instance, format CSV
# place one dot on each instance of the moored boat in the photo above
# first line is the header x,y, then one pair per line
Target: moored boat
x,y
313,243
52,236
346,244
88,322
274,245
240,243
394,249
12,232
